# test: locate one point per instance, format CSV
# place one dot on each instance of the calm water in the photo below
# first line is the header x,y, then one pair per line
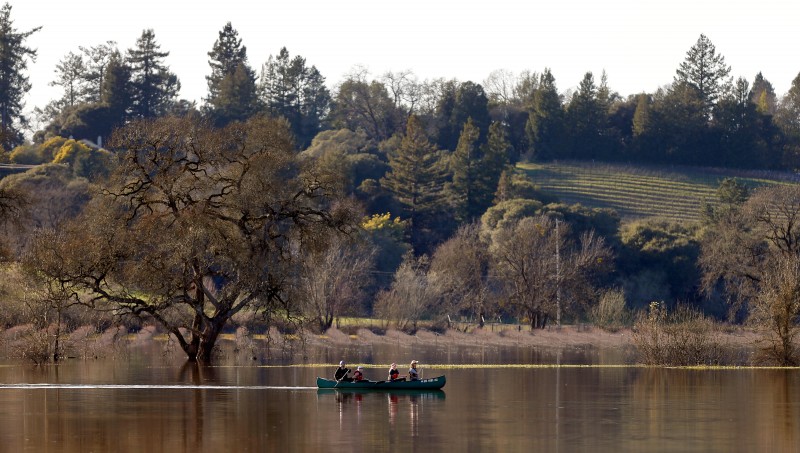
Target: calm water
x,y
154,405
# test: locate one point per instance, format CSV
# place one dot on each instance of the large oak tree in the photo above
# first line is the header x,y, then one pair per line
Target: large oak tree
x,y
196,225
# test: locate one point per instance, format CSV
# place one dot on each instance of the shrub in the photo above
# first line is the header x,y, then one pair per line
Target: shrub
x,y
683,337
611,313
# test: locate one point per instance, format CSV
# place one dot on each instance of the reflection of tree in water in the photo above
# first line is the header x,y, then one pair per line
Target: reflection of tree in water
x,y
193,373
760,406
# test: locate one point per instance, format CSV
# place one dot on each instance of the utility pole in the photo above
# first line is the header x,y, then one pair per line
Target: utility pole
x,y
558,276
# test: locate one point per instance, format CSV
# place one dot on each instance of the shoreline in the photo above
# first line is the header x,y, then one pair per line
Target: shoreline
x,y
570,336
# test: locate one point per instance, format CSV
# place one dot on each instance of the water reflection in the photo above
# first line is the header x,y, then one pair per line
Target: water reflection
x,y
141,406
351,404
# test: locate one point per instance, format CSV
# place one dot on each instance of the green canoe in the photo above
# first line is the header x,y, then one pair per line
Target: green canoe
x,y
422,384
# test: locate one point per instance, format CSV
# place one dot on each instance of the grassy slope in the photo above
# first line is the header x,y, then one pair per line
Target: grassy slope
x,y
637,191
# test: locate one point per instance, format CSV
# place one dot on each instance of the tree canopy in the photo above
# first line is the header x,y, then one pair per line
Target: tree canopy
x,y
197,224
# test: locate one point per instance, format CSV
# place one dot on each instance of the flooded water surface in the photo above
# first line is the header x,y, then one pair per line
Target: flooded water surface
x,y
156,405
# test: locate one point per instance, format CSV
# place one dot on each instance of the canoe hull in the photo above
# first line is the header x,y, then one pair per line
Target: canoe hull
x,y
422,384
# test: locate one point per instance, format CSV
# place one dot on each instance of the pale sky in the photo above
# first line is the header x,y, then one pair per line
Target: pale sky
x,y
639,43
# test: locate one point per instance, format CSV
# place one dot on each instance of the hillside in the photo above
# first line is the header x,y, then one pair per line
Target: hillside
x,y
642,191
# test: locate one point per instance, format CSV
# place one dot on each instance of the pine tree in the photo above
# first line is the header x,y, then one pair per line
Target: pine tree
x,y
585,120
763,95
116,91
495,159
545,119
465,164
705,70
154,86
70,76
14,84
416,180
458,103
296,92
232,92
97,59
641,117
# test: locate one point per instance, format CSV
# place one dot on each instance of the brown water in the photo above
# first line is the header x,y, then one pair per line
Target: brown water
x,y
159,405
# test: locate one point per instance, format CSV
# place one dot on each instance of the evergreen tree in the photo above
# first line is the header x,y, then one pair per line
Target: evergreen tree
x,y
458,103
763,95
14,84
154,87
585,118
232,90
117,90
705,70
641,117
545,119
680,132
416,179
70,76
296,92
787,118
465,166
96,61
497,150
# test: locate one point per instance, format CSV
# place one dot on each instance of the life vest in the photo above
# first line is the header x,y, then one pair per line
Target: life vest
x,y
358,376
393,374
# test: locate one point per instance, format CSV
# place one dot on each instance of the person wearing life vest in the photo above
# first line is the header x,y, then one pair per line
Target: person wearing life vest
x,y
359,374
341,373
413,374
394,373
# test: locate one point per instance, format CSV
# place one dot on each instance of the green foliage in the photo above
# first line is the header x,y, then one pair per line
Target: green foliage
x,y
290,89
153,87
705,70
416,180
26,154
545,127
510,211
658,252
232,83
14,83
387,236
458,103
87,162
586,120
363,104
350,154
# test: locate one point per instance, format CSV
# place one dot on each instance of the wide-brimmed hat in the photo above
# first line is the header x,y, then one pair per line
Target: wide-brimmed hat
x,y
414,361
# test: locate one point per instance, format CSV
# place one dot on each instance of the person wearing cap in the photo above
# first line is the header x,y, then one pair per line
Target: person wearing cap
x,y
359,374
341,373
394,373
413,375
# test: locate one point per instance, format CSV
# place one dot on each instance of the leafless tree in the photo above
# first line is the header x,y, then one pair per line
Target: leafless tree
x,y
539,267
411,297
332,281
460,266
751,255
